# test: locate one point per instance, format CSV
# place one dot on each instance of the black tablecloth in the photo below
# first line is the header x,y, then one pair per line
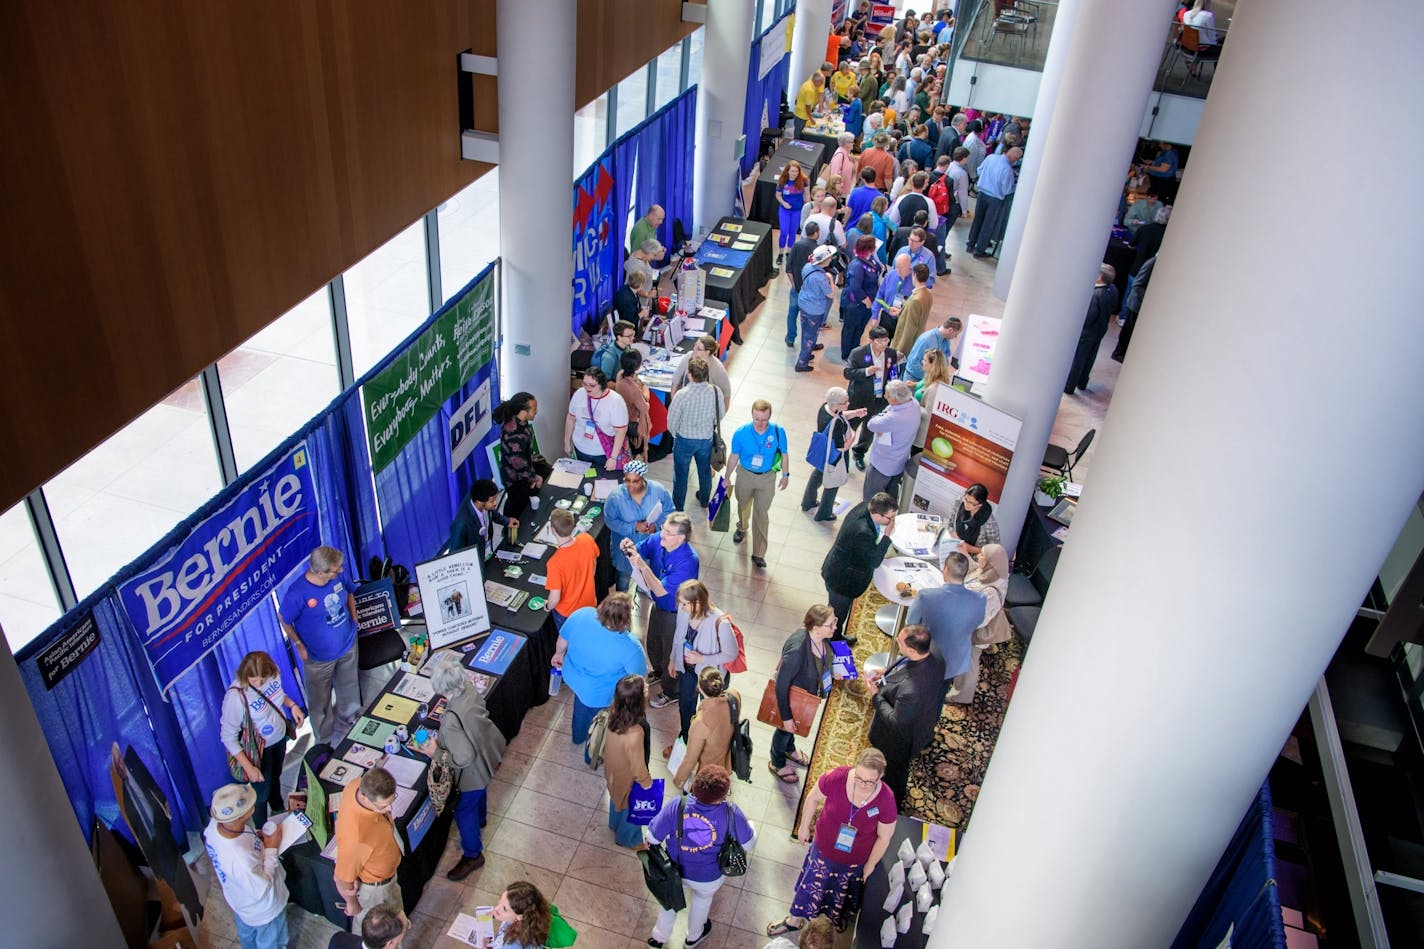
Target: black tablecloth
x,y
742,290
811,155
828,143
872,911
1036,539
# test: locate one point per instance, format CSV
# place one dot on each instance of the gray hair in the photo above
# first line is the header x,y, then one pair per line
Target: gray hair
x,y
845,138
681,523
324,559
1108,273
651,246
898,391
837,395
956,566
447,675
1164,212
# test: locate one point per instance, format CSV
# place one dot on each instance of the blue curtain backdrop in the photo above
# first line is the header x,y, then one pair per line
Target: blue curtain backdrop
x,y
763,94
1242,891
665,163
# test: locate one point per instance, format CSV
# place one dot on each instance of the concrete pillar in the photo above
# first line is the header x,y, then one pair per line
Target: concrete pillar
x,y
536,171
808,42
52,895
721,101
1063,22
1198,599
1106,79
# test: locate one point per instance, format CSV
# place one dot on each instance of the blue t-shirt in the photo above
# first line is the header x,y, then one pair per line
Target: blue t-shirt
x,y
597,657
670,567
703,829
320,616
755,450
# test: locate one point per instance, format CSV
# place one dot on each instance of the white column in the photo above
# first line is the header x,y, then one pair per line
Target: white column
x,y
1198,600
536,145
1064,20
721,100
809,32
50,866
1106,79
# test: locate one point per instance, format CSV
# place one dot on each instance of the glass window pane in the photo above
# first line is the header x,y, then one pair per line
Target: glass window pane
x,y
694,57
27,601
469,232
761,19
669,70
281,377
115,502
632,100
590,133
386,297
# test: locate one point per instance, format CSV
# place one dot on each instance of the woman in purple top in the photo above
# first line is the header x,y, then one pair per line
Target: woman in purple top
x,y
706,818
791,196
851,836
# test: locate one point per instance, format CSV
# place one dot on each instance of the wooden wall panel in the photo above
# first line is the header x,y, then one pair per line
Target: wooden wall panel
x,y
174,176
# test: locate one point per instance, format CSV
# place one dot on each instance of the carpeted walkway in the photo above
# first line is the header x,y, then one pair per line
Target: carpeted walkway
x,y
945,778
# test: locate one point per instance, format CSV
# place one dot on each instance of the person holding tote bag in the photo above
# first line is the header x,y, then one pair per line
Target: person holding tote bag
x,y
625,756
254,729
828,457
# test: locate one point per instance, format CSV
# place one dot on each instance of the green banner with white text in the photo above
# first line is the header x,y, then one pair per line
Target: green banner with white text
x,y
409,393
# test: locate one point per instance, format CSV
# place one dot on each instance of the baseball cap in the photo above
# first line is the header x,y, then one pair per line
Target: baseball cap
x,y
822,254
233,802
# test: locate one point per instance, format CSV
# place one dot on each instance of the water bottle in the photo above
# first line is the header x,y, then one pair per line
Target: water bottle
x,y
392,744
556,681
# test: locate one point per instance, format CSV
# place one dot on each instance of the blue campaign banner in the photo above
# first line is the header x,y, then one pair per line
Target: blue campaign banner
x,y
597,240
205,584
497,651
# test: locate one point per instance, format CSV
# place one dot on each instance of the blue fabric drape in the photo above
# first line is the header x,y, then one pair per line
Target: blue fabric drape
x,y
1242,891
764,95
665,147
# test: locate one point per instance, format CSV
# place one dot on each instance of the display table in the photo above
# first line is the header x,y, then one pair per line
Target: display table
x,y
921,575
1036,538
810,155
740,286
825,132
877,888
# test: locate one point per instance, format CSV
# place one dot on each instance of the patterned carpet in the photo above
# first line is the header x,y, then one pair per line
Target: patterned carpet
x,y
945,778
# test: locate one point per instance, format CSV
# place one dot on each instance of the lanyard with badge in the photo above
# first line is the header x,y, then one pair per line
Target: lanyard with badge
x,y
768,441
590,427
845,837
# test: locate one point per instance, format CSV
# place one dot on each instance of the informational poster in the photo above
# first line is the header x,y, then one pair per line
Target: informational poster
x,y
469,425
64,655
197,592
773,47
881,16
409,393
452,589
376,609
496,653
976,353
968,442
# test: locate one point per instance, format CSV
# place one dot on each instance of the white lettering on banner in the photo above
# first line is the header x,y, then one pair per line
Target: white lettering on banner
x,y
468,425
167,596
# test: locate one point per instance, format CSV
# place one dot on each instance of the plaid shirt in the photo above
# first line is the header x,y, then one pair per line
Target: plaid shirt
x,y
694,411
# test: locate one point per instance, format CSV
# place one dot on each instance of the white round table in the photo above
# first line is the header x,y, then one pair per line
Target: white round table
x,y
921,575
918,535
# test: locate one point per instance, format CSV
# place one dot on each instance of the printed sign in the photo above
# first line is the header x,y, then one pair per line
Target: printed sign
x,y
496,653
419,824
968,442
976,353
644,803
452,589
64,655
204,585
597,243
376,609
773,47
409,393
469,424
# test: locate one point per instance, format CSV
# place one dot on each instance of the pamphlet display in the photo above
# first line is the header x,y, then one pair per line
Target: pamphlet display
x,y
453,589
968,442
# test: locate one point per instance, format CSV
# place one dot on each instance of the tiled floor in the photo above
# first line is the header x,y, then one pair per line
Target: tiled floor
x,y
548,812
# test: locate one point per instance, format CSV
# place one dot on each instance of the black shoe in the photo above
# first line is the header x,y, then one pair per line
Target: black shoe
x,y
738,536
689,943
465,867
654,943
791,344
1116,357
760,562
828,517
860,462
803,369
944,272
980,254
851,640
818,347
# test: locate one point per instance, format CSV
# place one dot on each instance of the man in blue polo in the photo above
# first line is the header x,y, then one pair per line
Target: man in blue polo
x,y
895,288
996,182
317,615
952,613
660,564
944,337
755,449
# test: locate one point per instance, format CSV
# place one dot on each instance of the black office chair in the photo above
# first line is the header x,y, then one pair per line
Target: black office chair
x,y
1057,457
1030,589
1023,619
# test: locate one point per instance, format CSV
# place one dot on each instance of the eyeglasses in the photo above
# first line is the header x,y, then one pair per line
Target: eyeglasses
x,y
859,780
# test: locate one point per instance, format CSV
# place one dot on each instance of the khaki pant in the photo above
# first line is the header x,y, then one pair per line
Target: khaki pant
x,y
754,493
371,895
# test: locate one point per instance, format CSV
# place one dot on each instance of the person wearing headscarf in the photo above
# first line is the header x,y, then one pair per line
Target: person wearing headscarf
x,y
974,522
991,578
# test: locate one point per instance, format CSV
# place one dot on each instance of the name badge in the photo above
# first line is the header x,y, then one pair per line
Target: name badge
x,y
845,838
758,462
590,429
826,682
873,812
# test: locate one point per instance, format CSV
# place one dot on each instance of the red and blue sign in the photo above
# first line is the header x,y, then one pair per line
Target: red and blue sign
x,y
597,240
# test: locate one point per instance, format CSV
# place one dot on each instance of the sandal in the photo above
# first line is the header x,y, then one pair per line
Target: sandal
x,y
782,928
786,777
799,758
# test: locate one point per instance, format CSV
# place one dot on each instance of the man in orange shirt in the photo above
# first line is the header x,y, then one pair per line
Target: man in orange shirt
x,y
569,578
367,851
880,161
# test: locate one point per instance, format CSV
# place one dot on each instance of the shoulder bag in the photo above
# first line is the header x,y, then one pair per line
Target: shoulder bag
x,y
732,856
741,746
248,740
719,447
597,736
605,440
997,630
440,779
291,725
663,875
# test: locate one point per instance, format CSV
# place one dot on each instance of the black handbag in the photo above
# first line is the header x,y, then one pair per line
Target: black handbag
x,y
662,875
741,747
732,857
719,447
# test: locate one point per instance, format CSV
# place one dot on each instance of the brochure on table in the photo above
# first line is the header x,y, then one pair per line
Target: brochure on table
x,y
452,587
968,441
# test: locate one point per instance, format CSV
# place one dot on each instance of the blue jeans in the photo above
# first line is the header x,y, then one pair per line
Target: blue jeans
x,y
272,935
687,696
941,235
624,580
583,718
470,813
624,833
684,450
810,326
792,309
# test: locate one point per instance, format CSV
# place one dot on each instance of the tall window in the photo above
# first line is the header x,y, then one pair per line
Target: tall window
x,y
632,100
590,133
694,59
469,232
386,297
27,601
668,71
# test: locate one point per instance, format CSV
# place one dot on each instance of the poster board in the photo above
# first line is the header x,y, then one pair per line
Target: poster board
x,y
453,589
976,352
968,442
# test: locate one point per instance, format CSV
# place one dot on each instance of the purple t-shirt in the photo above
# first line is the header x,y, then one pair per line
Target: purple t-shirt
x,y
320,616
703,829
880,809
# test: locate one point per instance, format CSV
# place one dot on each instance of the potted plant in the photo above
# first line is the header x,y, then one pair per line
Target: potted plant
x,y
1049,490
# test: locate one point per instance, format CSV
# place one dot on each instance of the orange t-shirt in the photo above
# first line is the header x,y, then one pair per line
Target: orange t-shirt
x,y
571,573
366,848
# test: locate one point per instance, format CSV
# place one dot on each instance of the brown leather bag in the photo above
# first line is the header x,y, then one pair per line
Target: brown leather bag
x,y
803,708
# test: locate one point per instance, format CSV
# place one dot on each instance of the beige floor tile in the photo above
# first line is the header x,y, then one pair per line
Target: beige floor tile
x,y
580,784
533,845
530,807
599,906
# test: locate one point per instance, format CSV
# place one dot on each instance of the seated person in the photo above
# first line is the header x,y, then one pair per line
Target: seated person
x,y
629,303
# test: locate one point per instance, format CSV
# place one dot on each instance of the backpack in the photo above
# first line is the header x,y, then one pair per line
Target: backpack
x,y
741,747
597,735
939,194
738,664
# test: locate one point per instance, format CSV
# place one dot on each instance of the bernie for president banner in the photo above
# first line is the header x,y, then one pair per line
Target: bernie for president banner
x,y
203,586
